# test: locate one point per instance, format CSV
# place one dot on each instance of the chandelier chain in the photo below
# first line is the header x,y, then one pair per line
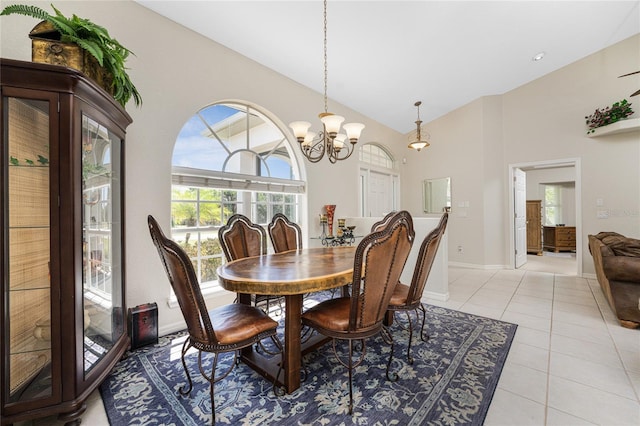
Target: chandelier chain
x,y
326,109
328,141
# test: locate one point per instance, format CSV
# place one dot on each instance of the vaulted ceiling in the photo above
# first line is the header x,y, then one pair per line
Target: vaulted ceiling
x,y
385,55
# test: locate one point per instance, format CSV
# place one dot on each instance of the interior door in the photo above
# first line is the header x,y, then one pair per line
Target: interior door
x,y
520,201
380,196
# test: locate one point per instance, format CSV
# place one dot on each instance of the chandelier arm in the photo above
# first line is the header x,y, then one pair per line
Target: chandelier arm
x,y
318,147
349,151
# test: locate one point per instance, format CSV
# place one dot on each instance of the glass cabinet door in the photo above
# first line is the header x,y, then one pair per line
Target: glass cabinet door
x,y
27,288
101,240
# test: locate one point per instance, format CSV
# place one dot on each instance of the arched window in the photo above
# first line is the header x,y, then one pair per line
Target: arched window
x,y
376,155
229,158
379,181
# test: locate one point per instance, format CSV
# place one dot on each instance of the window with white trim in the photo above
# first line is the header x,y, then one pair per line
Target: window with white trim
x,y
229,158
552,205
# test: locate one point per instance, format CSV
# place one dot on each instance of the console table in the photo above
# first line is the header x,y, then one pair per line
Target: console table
x,y
559,238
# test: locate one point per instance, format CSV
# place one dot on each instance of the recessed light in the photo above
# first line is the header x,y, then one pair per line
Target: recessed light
x,y
538,57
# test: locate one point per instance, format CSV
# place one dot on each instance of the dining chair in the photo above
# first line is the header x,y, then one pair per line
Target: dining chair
x,y
381,224
227,328
378,263
407,298
285,235
240,238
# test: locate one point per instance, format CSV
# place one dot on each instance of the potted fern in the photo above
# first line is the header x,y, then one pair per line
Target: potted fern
x,y
52,37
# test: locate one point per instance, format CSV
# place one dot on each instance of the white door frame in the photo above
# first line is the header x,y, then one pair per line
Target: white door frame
x,y
549,163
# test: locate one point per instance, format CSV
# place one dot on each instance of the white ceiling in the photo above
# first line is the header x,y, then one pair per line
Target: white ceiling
x,y
385,55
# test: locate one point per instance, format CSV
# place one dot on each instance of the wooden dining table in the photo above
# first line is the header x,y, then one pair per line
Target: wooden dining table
x,y
289,274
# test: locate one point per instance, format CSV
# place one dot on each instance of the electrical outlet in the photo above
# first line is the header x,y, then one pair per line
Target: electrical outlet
x,y
460,249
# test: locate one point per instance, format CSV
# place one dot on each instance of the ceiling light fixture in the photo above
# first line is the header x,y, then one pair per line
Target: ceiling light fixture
x,y
328,141
416,140
538,57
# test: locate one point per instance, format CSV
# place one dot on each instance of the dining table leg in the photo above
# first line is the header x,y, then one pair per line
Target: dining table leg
x,y
292,356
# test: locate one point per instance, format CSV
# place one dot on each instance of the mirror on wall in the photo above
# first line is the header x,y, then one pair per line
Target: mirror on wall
x,y
436,195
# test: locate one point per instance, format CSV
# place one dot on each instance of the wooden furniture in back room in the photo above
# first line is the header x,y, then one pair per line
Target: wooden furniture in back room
x,y
61,240
534,227
559,238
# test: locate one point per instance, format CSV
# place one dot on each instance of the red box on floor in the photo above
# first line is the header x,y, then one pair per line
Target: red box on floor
x,y
143,325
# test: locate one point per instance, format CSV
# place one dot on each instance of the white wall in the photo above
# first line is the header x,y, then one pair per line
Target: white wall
x,y
545,120
541,121
178,72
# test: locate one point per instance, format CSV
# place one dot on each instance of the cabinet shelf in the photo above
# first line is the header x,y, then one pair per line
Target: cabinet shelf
x,y
622,126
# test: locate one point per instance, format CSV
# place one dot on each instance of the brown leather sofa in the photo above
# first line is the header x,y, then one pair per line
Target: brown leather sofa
x,y
617,263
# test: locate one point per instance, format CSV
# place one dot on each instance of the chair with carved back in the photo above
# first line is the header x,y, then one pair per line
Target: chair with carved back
x,y
379,260
227,328
240,238
285,235
407,298
381,224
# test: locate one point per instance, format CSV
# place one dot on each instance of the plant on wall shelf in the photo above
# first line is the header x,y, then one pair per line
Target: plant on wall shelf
x,y
93,38
602,117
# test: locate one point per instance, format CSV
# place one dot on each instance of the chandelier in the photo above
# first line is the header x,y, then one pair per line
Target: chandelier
x,y
415,138
328,141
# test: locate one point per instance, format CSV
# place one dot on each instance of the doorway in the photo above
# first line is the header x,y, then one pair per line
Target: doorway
x,y
558,172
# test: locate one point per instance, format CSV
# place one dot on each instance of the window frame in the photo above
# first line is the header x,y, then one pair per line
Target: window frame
x,y
247,186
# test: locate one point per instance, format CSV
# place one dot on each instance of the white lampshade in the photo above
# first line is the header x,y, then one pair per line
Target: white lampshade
x,y
418,145
332,123
308,139
338,142
300,129
353,130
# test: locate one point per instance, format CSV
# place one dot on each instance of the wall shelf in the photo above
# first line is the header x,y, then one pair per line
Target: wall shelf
x,y
622,126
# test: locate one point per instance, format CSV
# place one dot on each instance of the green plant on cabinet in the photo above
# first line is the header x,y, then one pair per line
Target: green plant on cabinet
x,y
94,39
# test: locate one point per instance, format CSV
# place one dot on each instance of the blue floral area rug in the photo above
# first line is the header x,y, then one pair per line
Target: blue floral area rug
x,y
451,382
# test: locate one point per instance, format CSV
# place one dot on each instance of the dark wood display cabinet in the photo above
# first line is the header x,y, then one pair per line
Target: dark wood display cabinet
x,y
61,240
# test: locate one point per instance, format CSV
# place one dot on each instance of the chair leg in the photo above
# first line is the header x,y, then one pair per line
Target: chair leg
x,y
350,365
211,393
185,347
424,318
388,338
211,379
350,362
278,390
410,321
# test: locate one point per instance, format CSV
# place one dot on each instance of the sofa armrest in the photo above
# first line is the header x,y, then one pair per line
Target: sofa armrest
x,y
622,268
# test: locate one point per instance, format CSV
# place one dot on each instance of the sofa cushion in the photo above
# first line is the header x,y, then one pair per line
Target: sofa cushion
x,y
621,245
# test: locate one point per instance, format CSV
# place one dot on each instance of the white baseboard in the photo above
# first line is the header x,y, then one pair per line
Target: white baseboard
x,y
172,328
476,266
441,297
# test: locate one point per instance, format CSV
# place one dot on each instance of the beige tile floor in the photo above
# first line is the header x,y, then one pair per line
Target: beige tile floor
x,y
570,362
